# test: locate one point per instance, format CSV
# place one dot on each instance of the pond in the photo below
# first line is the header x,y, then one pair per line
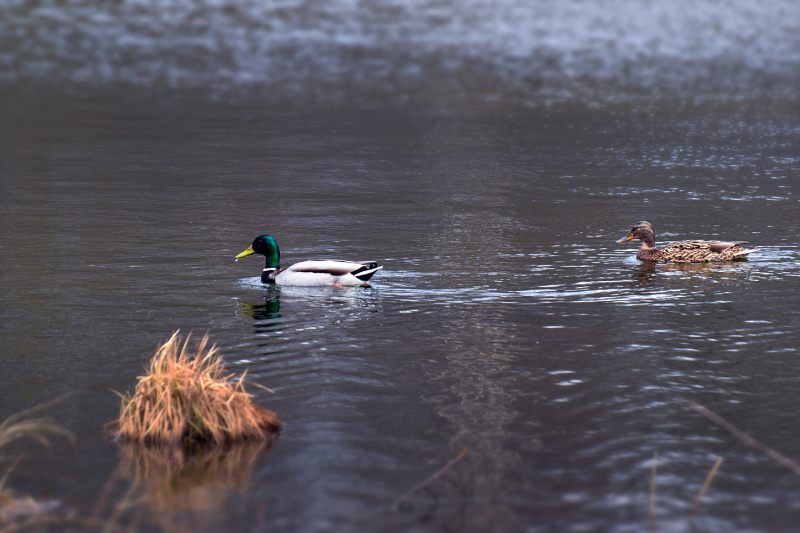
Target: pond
x,y
511,368
505,322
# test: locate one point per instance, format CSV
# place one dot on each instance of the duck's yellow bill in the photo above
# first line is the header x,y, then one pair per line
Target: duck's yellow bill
x,y
629,237
246,252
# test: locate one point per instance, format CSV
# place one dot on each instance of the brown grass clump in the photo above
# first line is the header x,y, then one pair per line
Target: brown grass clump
x,y
188,398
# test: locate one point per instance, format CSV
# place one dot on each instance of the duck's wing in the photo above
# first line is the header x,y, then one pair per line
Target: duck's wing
x,y
701,251
721,246
366,270
732,249
363,270
711,246
686,246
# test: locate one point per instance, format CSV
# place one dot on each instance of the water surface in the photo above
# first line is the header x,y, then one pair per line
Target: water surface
x,y
506,321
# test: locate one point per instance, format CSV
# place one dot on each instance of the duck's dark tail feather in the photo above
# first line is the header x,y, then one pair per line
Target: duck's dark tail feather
x,y
367,271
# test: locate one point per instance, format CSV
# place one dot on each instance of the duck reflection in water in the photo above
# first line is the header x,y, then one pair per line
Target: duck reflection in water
x,y
266,315
288,313
728,272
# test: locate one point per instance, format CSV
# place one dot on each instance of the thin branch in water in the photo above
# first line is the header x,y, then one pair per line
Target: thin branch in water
x,y
653,472
705,486
462,455
744,437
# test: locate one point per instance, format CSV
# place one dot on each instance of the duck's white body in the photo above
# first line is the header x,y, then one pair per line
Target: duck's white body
x,y
322,273
308,273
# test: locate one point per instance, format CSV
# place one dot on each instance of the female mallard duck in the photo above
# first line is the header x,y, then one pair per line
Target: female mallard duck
x,y
684,251
308,273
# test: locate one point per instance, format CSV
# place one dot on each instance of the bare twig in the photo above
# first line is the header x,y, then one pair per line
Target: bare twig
x,y
462,455
744,437
653,472
705,486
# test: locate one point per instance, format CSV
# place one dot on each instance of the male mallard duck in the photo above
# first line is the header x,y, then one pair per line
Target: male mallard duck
x,y
308,273
683,251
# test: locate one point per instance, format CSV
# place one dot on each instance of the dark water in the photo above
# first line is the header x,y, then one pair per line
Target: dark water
x,y
488,154
506,321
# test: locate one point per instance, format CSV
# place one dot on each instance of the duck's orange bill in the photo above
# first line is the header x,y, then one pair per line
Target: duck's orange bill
x,y
629,237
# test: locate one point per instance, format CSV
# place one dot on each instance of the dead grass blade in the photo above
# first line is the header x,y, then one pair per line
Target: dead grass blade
x,y
744,437
705,486
17,426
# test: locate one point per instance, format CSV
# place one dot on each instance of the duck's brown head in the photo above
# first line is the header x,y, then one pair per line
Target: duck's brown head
x,y
641,230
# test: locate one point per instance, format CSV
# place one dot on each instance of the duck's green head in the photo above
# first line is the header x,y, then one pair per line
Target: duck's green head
x,y
264,245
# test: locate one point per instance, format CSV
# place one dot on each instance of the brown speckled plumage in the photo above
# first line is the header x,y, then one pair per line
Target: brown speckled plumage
x,y
684,251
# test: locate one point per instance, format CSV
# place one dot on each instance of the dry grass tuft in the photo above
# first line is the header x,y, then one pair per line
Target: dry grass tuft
x,y
186,397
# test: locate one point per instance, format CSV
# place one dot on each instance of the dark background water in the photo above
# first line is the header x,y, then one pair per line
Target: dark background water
x,y
506,321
